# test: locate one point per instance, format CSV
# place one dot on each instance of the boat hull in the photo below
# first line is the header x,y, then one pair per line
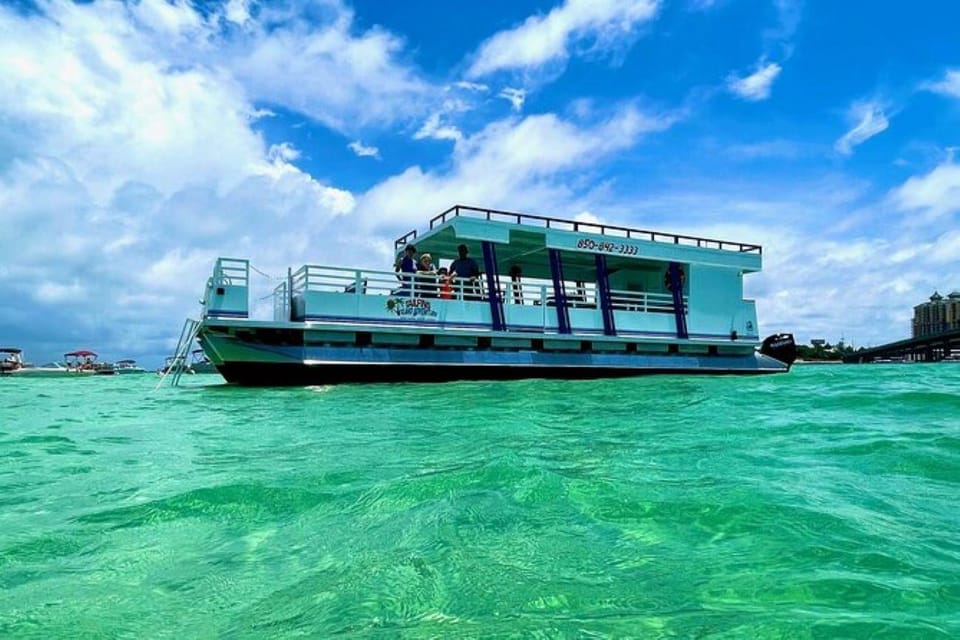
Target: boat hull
x,y
293,374
254,363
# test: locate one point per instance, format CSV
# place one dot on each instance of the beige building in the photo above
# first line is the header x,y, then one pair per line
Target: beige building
x,y
939,315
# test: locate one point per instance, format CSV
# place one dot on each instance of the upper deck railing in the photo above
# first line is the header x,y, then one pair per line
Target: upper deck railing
x,y
232,271
586,227
532,292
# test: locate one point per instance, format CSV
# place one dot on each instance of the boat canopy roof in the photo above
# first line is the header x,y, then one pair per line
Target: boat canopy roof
x,y
80,354
523,240
126,361
10,350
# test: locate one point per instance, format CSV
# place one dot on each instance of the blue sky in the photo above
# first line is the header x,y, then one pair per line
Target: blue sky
x,y
140,141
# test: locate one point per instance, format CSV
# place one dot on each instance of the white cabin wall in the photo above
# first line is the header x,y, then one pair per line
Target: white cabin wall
x,y
716,302
226,298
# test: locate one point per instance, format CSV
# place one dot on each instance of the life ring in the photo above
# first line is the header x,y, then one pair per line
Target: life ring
x,y
666,278
223,281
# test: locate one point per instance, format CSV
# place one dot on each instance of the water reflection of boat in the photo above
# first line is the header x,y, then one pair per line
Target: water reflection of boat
x,y
127,366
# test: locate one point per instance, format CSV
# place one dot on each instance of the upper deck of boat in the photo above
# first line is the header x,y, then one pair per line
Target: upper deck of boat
x,y
593,236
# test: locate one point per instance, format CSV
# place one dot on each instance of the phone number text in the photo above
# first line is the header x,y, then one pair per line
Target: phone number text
x,y
607,247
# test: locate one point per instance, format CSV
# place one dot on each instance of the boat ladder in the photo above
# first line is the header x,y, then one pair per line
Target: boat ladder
x,y
178,363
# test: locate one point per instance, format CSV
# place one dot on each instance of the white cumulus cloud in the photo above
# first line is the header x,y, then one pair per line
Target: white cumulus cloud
x,y
542,39
515,97
869,120
363,150
757,85
434,129
117,159
516,163
935,193
949,85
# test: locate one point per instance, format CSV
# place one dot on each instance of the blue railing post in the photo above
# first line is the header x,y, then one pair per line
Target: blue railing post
x,y
289,294
559,291
493,286
676,287
603,291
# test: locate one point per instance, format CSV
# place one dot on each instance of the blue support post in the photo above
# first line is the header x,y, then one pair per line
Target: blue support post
x,y
603,292
675,277
493,286
559,291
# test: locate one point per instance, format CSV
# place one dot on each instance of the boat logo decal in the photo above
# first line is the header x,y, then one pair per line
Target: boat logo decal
x,y
411,307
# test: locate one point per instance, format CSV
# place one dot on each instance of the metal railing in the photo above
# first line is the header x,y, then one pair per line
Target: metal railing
x,y
281,302
585,227
579,295
231,271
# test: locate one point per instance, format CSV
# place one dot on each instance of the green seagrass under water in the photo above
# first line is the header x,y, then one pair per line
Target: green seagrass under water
x,y
824,503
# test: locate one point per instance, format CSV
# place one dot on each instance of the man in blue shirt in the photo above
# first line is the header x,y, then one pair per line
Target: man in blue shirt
x,y
465,270
408,264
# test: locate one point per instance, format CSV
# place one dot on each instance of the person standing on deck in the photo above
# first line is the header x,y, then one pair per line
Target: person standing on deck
x,y
407,264
515,273
465,270
427,285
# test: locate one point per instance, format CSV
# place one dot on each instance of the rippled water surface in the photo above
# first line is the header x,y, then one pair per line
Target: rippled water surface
x,y
820,504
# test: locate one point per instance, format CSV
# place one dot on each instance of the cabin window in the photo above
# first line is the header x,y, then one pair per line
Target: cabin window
x,y
363,339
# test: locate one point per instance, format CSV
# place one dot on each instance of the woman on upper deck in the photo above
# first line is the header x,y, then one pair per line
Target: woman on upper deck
x,y
426,285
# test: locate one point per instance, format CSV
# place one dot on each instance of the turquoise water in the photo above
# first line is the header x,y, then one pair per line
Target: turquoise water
x,y
820,504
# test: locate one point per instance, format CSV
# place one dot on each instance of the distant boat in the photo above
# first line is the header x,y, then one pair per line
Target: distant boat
x,y
76,363
11,359
85,362
168,366
126,366
49,370
200,363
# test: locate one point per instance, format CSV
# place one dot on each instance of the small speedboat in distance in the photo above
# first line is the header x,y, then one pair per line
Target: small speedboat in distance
x,y
11,360
85,362
169,365
200,363
49,370
12,364
126,366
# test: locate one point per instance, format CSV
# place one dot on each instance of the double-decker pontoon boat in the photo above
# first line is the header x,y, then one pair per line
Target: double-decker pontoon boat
x,y
553,299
